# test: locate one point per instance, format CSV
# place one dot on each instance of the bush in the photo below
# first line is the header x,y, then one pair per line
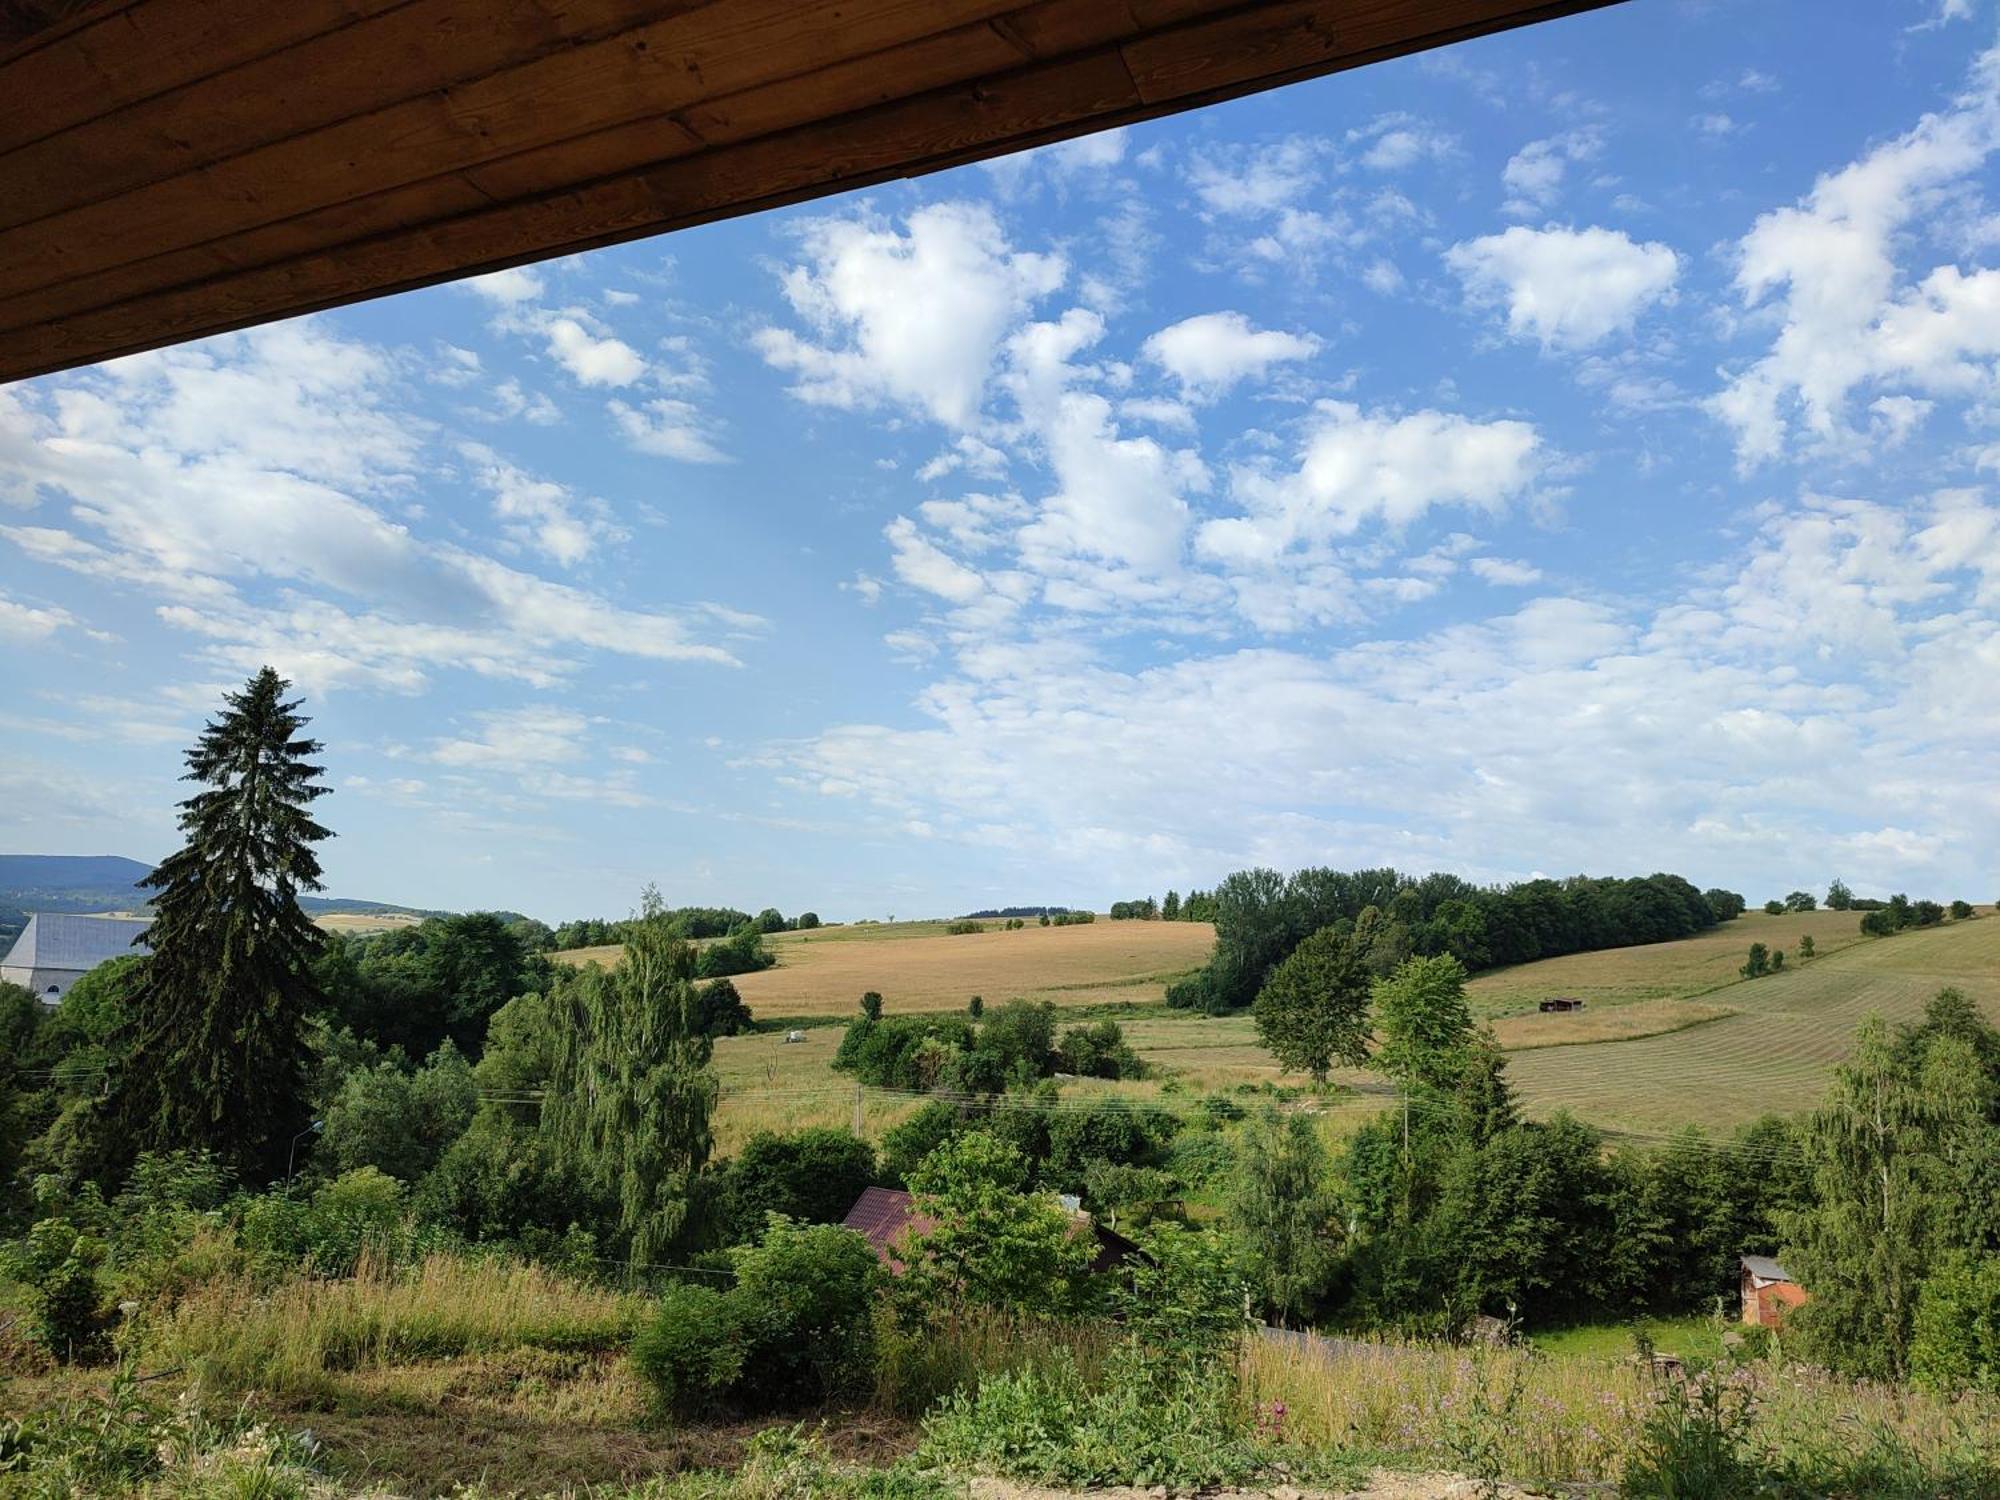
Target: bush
x,y
57,1264
1098,1051
1955,1342
960,929
743,952
1960,910
1693,1443
796,1329
692,1352
720,1011
907,1144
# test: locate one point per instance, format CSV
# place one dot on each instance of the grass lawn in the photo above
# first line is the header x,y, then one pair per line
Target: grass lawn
x,y
1692,1337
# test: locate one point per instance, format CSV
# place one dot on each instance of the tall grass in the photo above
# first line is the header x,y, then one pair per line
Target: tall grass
x,y
1572,1420
236,1334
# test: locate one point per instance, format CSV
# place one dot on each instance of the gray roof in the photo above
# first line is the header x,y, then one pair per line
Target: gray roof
x,y
64,940
1764,1268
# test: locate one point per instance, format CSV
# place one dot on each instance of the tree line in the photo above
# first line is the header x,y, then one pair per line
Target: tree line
x,y
1261,916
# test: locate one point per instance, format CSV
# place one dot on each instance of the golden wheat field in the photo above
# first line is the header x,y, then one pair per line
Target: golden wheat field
x,y
361,923
919,966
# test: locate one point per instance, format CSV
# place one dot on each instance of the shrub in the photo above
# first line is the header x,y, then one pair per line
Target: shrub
x,y
720,1011
743,952
1098,1051
960,929
1960,910
796,1328
1955,1343
692,1352
57,1264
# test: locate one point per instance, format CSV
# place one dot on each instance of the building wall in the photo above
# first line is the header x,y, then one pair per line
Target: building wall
x,y
1767,1305
47,985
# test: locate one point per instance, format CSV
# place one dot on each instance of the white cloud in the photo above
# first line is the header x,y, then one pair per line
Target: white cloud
x,y
1563,728
1533,176
591,358
508,287
29,623
1359,467
1847,317
515,739
251,486
1503,573
913,316
1211,352
1567,288
1396,141
668,428
1258,180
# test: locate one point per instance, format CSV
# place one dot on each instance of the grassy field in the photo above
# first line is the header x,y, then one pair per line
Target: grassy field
x,y
1775,1050
1646,1056
919,966
361,923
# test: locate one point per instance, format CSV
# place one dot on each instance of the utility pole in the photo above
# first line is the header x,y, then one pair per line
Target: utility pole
x,y
859,1124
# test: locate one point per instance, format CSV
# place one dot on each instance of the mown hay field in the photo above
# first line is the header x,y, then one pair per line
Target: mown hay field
x,y
1660,971
1777,1049
918,966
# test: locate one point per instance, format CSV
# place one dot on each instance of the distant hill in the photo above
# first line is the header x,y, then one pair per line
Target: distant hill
x,y
108,882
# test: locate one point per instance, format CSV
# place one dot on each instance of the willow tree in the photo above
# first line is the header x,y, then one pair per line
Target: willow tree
x,y
631,1094
218,1054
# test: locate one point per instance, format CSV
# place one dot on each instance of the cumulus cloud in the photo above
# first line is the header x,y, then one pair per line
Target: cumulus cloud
x,y
1211,352
592,358
251,485
1848,317
1565,727
1357,467
913,316
1533,176
1566,288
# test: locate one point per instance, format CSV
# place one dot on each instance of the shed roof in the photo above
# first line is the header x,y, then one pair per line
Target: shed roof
x,y
67,940
881,1216
1764,1268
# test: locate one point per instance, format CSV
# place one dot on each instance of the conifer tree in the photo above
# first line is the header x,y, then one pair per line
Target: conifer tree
x,y
218,1051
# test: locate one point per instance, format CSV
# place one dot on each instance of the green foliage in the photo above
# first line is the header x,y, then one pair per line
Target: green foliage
x,y
963,929
57,1263
902,1052
1774,908
1726,905
743,952
1694,1444
1261,916
794,1330
440,980
906,1144
1905,1155
631,1093
399,1121
1838,896
1166,1409
1287,1212
1955,1333
1424,1022
720,1011
1313,1012
1806,948
813,1175
871,1006
807,921
1799,901
692,1352
1098,1050
1083,1138
218,1054
1758,964
770,920
1960,910
994,1244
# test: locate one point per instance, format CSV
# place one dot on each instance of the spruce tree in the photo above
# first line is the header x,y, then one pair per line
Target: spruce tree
x,y
218,1052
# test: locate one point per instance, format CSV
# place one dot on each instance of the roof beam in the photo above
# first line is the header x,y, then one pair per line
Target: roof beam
x,y
176,168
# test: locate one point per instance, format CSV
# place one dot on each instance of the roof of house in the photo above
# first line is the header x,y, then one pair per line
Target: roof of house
x,y
66,940
1764,1268
882,1216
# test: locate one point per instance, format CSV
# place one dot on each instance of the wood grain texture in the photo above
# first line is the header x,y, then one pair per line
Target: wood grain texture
x,y
325,151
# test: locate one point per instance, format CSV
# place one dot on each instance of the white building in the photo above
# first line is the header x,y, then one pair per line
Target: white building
x,y
56,949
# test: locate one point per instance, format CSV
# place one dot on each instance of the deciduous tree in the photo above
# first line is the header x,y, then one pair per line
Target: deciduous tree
x,y
1313,1011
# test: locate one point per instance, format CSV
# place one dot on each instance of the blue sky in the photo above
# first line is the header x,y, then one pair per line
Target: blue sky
x,y
1572,450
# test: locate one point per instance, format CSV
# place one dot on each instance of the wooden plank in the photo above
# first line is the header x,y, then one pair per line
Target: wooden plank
x,y
380,60
108,59
745,160
652,70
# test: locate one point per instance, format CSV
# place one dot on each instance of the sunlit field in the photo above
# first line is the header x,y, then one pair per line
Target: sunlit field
x,y
1629,1061
919,966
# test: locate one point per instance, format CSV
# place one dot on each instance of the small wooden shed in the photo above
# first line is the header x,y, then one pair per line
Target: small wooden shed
x,y
1769,1292
1561,1003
